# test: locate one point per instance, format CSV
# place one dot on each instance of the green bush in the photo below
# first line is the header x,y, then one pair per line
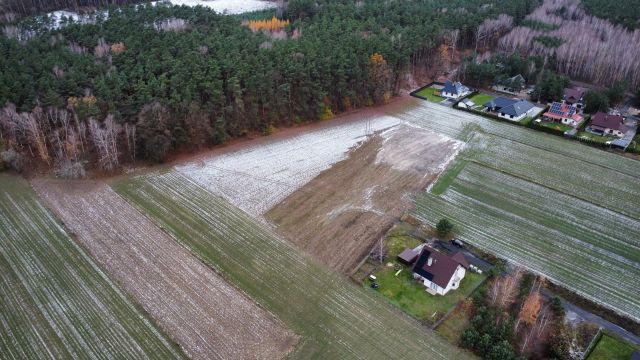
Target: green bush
x,y
444,227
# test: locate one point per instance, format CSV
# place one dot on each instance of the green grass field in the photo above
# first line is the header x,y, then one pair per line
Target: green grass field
x,y
335,318
609,348
431,94
480,99
556,126
558,207
54,300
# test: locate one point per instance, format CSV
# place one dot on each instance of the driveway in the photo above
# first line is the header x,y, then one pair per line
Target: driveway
x,y
471,257
586,315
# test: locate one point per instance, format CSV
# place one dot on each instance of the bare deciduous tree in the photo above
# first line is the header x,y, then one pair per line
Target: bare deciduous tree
x,y
593,49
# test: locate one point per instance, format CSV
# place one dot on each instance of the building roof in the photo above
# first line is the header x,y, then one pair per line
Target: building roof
x,y
635,355
512,80
563,111
408,256
517,108
454,88
442,268
604,121
573,95
500,102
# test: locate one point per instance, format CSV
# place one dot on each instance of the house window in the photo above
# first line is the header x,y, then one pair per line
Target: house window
x,y
511,116
434,286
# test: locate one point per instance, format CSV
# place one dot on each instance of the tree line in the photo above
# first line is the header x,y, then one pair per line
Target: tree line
x,y
159,79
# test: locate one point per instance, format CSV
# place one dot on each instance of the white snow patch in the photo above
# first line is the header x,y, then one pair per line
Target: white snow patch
x,y
257,178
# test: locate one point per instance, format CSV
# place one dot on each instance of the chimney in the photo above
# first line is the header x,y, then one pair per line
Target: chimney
x,y
429,261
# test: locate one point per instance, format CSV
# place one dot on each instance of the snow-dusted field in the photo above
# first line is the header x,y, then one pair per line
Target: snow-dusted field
x,y
55,301
335,318
259,177
563,209
209,318
577,244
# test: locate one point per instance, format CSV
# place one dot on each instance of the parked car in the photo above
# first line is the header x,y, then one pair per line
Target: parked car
x,y
458,243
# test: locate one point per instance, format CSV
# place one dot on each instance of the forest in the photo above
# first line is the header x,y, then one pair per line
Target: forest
x,y
146,81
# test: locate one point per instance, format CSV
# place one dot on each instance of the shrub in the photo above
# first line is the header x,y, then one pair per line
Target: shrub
x,y
14,160
444,227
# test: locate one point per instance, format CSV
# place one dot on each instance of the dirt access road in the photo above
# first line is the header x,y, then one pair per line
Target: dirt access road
x,y
339,215
206,316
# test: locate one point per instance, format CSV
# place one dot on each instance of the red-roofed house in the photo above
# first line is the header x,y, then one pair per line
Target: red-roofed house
x,y
608,124
439,272
563,113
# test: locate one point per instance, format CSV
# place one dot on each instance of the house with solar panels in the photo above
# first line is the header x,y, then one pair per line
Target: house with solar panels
x,y
510,109
563,113
454,90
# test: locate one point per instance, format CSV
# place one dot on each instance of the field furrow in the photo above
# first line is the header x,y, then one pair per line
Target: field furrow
x,y
204,314
335,318
60,304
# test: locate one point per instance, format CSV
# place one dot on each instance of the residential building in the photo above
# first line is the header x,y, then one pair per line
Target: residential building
x,y
608,124
517,111
439,272
512,85
454,91
563,113
498,103
573,97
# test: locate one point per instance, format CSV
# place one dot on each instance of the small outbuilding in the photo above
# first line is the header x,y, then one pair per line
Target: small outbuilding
x,y
408,256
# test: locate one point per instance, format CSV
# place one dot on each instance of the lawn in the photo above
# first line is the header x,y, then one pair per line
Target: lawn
x,y
431,94
480,98
405,292
335,318
596,138
610,348
55,301
455,324
556,126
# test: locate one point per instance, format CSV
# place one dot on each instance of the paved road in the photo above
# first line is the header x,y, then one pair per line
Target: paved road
x,y
611,327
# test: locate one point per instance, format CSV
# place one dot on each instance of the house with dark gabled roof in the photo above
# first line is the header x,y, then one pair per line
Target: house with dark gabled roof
x,y
512,85
517,111
498,103
439,272
454,90
607,124
573,97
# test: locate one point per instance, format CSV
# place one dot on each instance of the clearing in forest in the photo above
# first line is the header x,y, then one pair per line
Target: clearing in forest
x,y
339,215
55,302
560,208
209,318
335,318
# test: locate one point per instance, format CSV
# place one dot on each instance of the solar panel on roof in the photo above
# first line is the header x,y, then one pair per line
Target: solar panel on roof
x,y
572,111
555,108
